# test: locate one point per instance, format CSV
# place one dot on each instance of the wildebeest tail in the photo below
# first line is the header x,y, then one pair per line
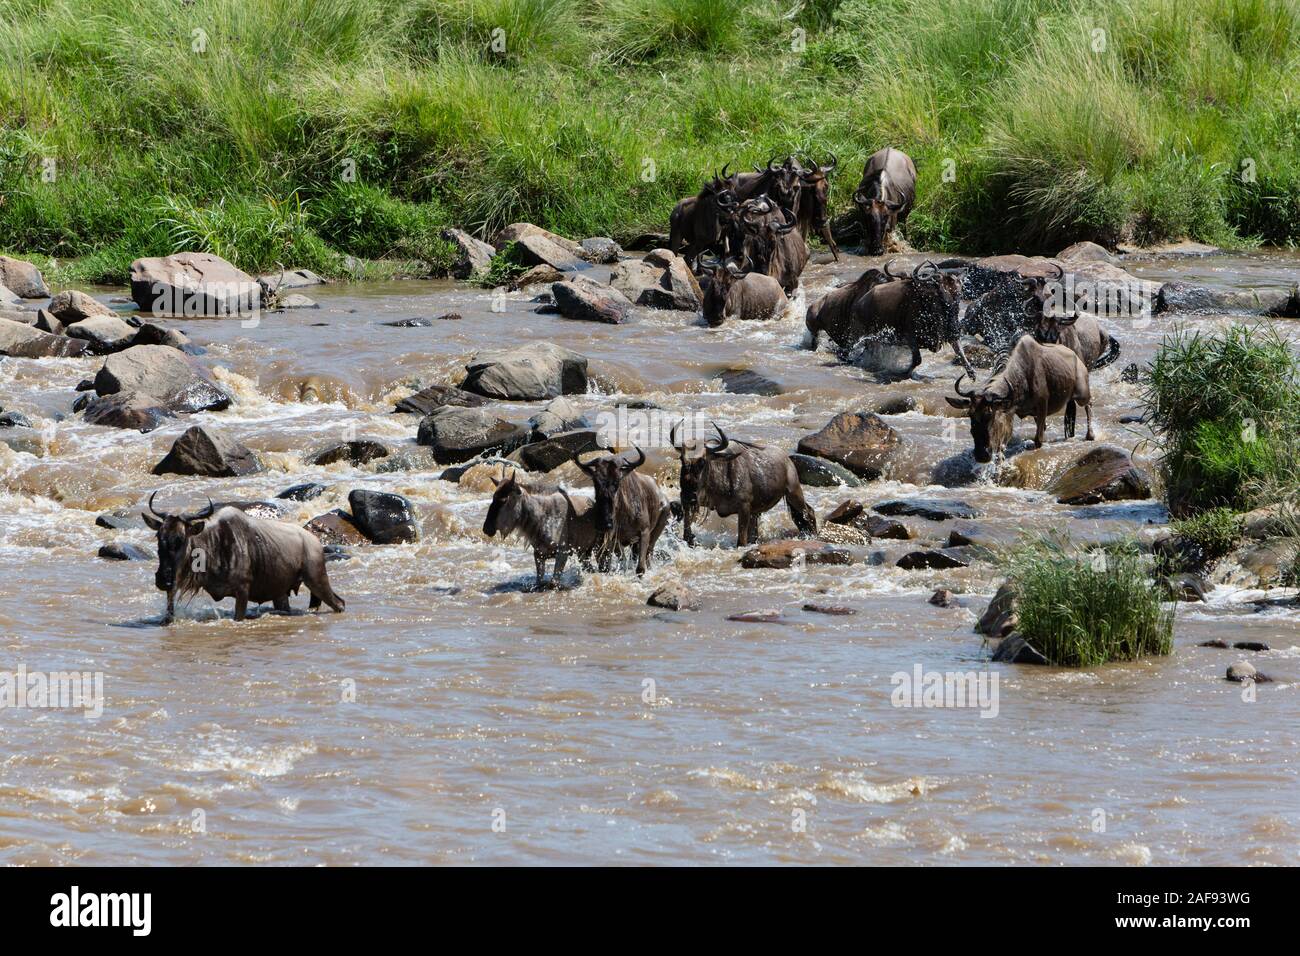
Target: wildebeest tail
x,y
1110,355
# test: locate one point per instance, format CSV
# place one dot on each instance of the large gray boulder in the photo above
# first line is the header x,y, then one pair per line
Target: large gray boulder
x,y
459,434
860,441
72,306
193,284
209,454
662,280
590,301
22,278
163,372
473,256
527,373
26,341
104,334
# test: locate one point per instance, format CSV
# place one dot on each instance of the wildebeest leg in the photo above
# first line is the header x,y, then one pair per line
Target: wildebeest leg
x,y
1087,410
1040,428
753,528
916,356
804,518
170,615
826,237
649,540
241,606
743,527
539,561
561,558
282,605
1070,413
319,586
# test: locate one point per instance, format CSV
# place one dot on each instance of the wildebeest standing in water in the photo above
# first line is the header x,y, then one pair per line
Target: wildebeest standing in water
x,y
552,523
813,208
697,222
630,509
230,554
772,243
885,196
1037,381
738,478
734,294
833,312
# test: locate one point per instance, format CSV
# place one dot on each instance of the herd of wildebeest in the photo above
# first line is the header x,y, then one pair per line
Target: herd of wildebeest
x,y
745,236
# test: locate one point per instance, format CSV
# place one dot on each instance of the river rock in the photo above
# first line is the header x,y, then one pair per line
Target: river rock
x,y
151,333
47,321
899,404
743,381
295,300
473,256
661,280
210,454
1106,473
336,528
590,301
163,372
834,610
1085,252
1241,672
104,334
538,275
819,473
674,596
521,230
560,415
124,519
1270,521
1178,297
275,282
124,551
428,400
1185,586
999,618
22,278
785,552
1014,649
932,509
553,452
853,514
1257,564
538,250
306,491
133,410
601,250
943,598
193,284
860,441
527,373
934,558
384,517
14,420
73,306
358,452
459,434
27,341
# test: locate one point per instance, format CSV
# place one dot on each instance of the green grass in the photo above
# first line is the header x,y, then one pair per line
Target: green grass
x,y
319,129
1226,411
1210,535
1085,610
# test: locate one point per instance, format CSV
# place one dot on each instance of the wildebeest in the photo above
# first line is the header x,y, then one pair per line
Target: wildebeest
x,y
734,294
697,222
885,196
553,523
630,509
738,478
230,554
813,209
1037,381
921,308
1064,324
772,243
782,183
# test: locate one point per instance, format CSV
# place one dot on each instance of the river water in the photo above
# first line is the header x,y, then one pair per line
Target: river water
x,y
453,715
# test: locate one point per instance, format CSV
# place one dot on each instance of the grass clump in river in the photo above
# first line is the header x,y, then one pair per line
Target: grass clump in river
x,y
310,130
1081,610
1226,410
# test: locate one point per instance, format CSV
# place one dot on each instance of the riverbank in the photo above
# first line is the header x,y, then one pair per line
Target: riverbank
x,y
321,133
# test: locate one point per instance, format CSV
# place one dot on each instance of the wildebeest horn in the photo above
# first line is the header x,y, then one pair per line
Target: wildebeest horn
x,y
727,199
725,175
734,268
925,268
957,386
640,460
709,262
860,197
156,514
894,275
770,167
790,222
723,440
204,513
1060,273
585,466
835,161
672,435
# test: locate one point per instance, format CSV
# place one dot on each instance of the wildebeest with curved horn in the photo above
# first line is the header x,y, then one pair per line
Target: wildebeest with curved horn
x,y
813,209
772,244
698,222
231,554
738,478
885,196
630,509
553,524
1037,381
921,308
735,294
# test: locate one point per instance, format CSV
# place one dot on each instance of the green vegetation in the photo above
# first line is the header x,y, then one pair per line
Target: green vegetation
x,y
1210,535
1084,610
299,132
1226,410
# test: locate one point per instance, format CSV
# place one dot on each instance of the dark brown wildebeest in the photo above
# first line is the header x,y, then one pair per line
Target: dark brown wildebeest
x,y
813,210
782,183
1037,381
733,294
697,222
885,196
741,479
630,509
922,309
772,243
554,524
231,554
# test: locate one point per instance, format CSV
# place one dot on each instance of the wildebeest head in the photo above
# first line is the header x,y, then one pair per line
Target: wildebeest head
x,y
879,217
938,302
1043,306
606,474
989,410
721,276
695,455
763,224
507,503
815,192
173,532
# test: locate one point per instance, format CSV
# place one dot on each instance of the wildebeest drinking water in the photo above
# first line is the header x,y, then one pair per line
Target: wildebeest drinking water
x,y
553,523
885,196
231,554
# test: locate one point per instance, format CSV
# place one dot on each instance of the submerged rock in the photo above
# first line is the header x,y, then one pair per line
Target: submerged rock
x,y
789,551
358,452
124,551
527,373
384,517
1179,297
207,453
834,610
860,441
1106,473
853,514
741,381
133,410
306,491
674,596
819,473
932,509
1014,649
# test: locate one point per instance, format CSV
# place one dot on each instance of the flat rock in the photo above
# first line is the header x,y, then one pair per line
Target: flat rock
x,y
788,551
358,452
934,558
124,519
306,491
740,381
527,373
193,284
538,250
932,509
26,341
103,334
473,256
124,551
384,517
860,441
295,300
459,434
132,410
674,596
428,400
769,616
202,452
835,610
1178,297
553,452
22,278
1106,473
274,282
819,473
590,301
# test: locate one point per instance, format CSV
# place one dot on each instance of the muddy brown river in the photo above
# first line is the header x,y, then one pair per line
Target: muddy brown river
x,y
455,715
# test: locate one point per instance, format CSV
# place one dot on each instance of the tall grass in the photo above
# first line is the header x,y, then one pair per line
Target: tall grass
x,y
1085,610
1226,410
596,117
